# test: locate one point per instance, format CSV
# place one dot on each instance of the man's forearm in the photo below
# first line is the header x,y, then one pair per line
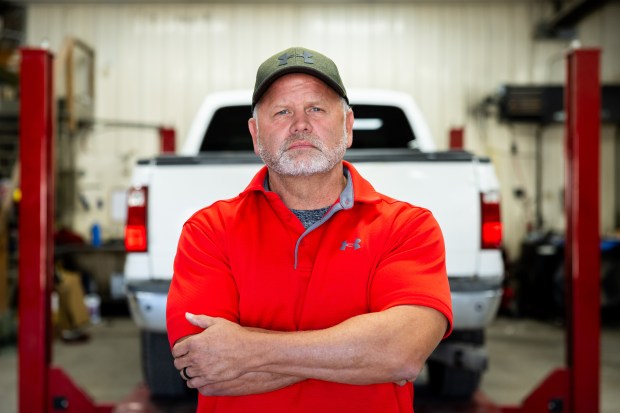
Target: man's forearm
x,y
249,383
383,347
389,346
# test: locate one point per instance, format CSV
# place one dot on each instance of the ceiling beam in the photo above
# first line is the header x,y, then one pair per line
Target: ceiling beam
x,y
563,23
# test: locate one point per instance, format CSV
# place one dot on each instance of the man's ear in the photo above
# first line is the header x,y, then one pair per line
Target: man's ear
x,y
253,127
349,127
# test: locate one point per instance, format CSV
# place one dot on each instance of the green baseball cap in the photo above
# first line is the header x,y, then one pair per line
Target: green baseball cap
x,y
297,60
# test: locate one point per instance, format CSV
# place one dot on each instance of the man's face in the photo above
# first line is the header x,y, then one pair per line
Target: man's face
x,y
304,127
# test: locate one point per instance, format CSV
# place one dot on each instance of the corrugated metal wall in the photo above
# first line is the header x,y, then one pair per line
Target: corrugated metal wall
x,y
156,62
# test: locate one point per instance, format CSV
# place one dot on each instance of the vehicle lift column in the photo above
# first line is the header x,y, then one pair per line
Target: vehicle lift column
x,y
576,388
582,104
42,388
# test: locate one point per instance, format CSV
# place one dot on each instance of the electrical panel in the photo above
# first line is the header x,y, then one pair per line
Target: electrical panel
x,y
544,104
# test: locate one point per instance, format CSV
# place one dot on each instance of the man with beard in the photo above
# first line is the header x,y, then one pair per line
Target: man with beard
x,y
310,291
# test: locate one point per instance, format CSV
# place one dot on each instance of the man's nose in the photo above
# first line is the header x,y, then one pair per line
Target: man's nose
x,y
301,123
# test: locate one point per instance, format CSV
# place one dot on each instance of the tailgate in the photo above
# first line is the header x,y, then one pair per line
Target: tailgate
x,y
448,184
449,190
176,192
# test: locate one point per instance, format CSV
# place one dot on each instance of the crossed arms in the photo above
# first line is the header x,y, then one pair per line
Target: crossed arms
x,y
381,347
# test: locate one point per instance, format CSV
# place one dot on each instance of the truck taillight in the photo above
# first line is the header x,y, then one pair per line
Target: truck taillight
x,y
491,223
135,230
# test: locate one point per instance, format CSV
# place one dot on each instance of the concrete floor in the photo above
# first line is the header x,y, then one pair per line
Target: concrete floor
x,y
522,353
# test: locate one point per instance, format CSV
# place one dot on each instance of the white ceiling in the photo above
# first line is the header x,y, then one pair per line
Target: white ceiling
x,y
288,2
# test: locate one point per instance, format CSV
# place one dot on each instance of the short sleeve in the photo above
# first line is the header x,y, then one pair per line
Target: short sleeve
x,y
202,282
412,270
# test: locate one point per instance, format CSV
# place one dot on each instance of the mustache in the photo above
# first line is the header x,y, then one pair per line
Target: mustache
x,y
305,137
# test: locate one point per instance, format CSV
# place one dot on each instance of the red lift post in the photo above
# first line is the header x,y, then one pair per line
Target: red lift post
x,y
576,388
42,388
35,235
582,104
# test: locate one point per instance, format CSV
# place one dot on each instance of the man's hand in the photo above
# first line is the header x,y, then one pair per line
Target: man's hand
x,y
222,352
214,360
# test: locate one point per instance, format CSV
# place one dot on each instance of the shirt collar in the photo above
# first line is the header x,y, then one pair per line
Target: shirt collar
x,y
362,190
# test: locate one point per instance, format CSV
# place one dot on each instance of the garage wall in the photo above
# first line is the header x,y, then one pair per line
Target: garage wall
x,y
155,63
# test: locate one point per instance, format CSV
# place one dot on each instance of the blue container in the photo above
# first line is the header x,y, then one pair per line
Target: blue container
x,y
95,235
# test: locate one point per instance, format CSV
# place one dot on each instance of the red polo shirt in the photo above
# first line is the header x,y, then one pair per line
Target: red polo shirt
x,y
250,260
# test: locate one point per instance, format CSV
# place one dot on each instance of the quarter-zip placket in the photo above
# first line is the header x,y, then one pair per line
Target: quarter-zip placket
x,y
345,201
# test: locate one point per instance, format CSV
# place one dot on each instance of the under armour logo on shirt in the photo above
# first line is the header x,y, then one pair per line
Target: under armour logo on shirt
x,y
355,245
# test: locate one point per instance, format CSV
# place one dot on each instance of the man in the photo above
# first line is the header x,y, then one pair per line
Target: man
x,y
310,291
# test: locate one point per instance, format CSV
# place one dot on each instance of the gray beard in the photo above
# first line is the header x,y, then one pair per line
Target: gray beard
x,y
320,161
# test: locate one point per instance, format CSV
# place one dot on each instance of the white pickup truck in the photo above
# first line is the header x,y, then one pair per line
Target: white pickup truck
x,y
393,149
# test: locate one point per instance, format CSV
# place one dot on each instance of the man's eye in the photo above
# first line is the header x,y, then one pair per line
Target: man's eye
x,y
315,109
282,112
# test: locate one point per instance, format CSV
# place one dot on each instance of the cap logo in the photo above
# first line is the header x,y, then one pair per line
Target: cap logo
x,y
283,59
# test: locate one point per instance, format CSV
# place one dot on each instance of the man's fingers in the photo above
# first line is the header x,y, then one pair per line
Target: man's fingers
x,y
179,350
185,374
181,347
202,321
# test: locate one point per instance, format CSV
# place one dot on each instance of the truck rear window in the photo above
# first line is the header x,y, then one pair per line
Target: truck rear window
x,y
376,126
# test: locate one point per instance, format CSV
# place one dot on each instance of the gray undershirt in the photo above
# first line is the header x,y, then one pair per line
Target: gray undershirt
x,y
306,216
309,217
